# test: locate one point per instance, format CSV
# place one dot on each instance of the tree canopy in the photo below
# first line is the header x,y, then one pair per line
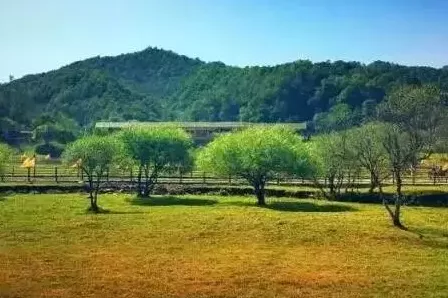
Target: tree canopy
x,y
5,155
94,155
155,150
257,155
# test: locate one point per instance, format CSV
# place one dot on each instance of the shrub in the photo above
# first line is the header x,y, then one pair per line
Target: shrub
x,y
52,148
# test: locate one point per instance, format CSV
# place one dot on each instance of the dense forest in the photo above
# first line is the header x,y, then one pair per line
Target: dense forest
x,y
159,85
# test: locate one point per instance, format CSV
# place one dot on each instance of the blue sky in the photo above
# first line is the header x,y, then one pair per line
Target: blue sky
x,y
40,35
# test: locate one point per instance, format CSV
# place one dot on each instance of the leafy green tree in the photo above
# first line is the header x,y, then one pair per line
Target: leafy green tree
x,y
414,114
94,155
155,150
5,157
339,117
257,154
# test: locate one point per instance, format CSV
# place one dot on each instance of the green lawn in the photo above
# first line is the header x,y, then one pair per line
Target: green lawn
x,y
209,246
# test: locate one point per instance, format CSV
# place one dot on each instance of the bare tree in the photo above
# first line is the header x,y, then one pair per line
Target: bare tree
x,y
414,116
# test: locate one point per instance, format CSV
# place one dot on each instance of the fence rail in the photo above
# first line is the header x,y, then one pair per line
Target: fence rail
x,y
53,172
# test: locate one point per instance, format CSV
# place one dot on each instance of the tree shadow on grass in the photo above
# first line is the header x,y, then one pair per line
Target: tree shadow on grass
x,y
124,212
297,206
432,237
171,201
103,211
424,198
4,196
431,233
308,207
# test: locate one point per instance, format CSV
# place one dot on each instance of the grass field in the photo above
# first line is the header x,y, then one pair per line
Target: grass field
x,y
201,246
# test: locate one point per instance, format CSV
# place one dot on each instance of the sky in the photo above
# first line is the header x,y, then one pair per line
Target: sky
x,y
41,35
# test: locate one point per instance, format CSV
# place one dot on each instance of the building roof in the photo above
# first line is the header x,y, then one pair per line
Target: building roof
x,y
195,125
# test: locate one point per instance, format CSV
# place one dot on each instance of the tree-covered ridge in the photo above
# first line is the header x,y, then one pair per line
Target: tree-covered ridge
x,y
125,87
294,91
155,84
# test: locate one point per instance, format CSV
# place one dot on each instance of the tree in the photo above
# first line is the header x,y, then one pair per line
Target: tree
x,y
257,154
367,146
332,153
155,150
401,153
94,155
5,155
57,128
339,117
414,114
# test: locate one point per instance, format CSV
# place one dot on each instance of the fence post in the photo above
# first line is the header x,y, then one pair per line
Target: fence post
x,y
29,174
393,178
278,179
82,175
107,175
180,177
230,179
12,174
131,177
56,174
34,171
203,177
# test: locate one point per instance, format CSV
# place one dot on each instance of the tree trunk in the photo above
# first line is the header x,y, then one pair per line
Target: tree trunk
x,y
151,180
398,199
151,185
259,193
94,204
348,183
90,180
331,186
139,181
145,192
372,182
396,212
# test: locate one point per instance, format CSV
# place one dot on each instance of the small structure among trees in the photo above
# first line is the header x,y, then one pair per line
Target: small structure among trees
x,y
201,132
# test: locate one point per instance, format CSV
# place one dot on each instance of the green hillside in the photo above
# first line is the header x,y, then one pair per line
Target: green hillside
x,y
159,85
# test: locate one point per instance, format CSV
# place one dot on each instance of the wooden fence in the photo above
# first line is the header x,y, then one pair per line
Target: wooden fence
x,y
52,172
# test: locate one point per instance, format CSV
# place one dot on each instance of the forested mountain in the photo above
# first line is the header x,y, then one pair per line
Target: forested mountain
x,y
155,84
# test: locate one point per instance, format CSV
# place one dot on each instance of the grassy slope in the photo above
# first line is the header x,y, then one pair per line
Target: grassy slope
x,y
214,246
